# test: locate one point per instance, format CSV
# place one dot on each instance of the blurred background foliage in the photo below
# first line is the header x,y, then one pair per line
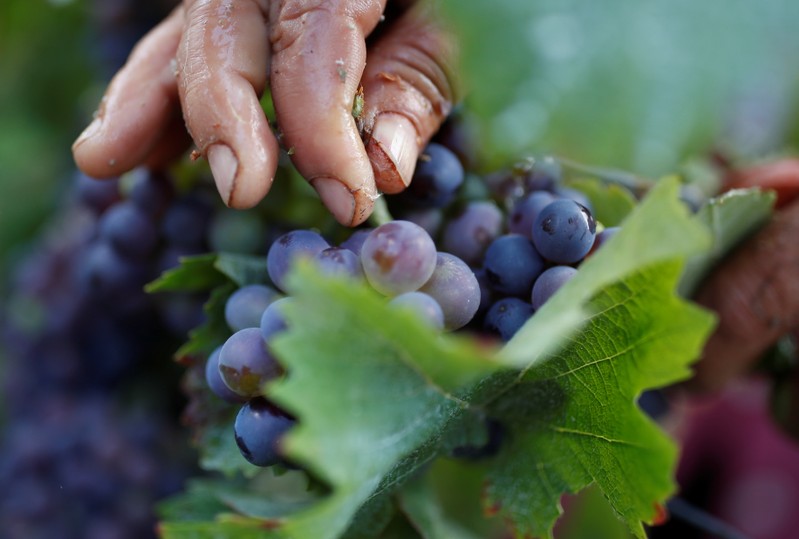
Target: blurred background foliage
x,y
622,83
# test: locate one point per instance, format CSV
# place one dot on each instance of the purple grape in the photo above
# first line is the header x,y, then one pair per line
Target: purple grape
x,y
438,175
542,174
455,288
564,232
130,230
604,236
98,195
506,317
355,242
151,192
186,221
575,195
258,429
273,321
430,219
214,380
422,305
512,264
339,262
246,364
106,271
398,257
526,209
468,235
549,282
486,294
246,305
289,248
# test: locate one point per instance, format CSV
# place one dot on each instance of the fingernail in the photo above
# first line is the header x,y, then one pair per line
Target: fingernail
x,y
91,130
224,166
337,197
397,137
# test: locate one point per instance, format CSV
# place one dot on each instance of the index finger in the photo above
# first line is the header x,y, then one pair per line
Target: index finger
x,y
318,57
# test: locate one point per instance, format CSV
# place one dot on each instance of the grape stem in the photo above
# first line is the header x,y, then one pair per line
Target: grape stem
x,y
638,185
702,520
380,214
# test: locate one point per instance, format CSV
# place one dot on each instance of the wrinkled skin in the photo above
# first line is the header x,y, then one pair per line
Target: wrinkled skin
x,y
209,61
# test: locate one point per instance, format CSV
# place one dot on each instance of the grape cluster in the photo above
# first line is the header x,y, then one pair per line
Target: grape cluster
x,y
78,331
522,232
398,259
468,253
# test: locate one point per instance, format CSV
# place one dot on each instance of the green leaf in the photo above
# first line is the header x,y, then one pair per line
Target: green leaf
x,y
660,229
214,331
612,203
242,269
373,404
419,502
731,218
573,421
239,528
194,274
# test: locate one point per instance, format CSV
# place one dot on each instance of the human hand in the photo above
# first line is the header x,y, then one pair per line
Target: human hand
x,y
756,290
212,59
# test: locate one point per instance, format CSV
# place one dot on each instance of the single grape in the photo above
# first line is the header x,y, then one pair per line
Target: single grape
x,y
564,232
438,175
486,294
130,230
468,235
575,195
246,305
214,380
512,264
398,257
245,362
506,317
273,320
339,261
258,428
430,219
355,242
151,192
542,173
289,248
105,271
455,288
422,305
603,237
186,221
458,136
525,211
98,195
549,282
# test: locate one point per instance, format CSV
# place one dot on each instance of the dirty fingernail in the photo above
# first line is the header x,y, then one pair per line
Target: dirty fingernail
x,y
224,167
91,130
396,136
337,197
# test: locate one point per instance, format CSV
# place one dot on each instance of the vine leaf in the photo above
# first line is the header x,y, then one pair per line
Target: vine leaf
x,y
731,218
572,420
